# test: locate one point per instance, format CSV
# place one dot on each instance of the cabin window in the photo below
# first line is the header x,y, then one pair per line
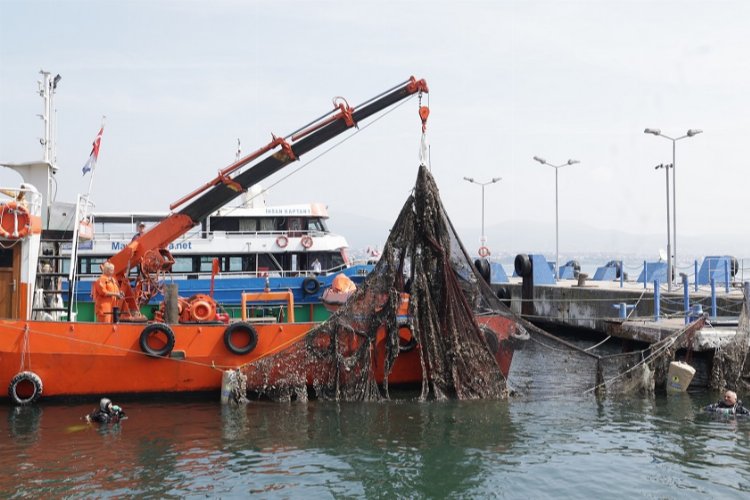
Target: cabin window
x,y
248,225
267,225
234,264
182,265
225,224
91,265
207,263
315,225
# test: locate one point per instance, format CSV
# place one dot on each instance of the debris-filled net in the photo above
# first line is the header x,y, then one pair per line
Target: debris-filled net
x,y
731,369
423,314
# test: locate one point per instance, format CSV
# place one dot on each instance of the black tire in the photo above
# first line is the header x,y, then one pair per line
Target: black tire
x,y
407,346
522,264
734,266
483,267
152,329
22,379
245,328
310,286
491,338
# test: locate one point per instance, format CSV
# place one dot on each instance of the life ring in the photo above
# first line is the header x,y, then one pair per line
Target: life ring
x,y
310,286
245,328
14,221
154,329
491,338
282,241
484,252
25,388
306,241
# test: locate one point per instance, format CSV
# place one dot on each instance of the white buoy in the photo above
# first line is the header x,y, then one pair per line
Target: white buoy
x,y
679,376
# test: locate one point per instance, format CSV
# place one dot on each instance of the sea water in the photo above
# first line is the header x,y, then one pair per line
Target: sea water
x,y
549,441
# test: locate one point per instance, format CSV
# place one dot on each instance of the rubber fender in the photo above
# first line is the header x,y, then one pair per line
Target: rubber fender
x,y
734,266
310,286
483,267
22,379
245,328
153,329
522,265
493,344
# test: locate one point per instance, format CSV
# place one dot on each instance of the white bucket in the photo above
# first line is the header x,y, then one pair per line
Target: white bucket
x,y
679,376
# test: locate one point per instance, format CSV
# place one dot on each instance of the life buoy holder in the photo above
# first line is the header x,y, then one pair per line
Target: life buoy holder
x,y
25,388
310,286
484,252
241,328
306,241
15,222
282,241
154,330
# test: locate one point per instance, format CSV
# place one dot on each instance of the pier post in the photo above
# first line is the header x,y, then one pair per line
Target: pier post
x,y
713,298
695,276
685,297
657,301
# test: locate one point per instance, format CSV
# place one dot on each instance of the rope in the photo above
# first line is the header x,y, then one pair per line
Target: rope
x,y
25,350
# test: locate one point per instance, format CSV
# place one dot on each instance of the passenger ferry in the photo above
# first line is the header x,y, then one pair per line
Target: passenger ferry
x,y
256,246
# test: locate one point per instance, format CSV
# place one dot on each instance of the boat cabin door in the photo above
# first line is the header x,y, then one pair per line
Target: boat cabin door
x,y
10,260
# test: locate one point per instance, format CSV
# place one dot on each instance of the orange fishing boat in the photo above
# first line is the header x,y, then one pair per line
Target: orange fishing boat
x,y
44,352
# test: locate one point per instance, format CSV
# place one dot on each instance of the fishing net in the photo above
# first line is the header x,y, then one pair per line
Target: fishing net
x,y
422,314
731,369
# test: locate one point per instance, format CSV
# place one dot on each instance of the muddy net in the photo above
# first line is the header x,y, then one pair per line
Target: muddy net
x,y
731,369
423,316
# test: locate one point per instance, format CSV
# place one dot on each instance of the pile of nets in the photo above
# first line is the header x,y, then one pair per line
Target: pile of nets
x,y
424,295
731,369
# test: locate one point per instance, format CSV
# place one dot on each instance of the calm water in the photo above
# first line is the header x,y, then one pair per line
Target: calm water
x,y
540,444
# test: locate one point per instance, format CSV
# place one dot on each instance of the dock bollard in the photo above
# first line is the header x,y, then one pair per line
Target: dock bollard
x,y
713,298
623,309
657,301
685,297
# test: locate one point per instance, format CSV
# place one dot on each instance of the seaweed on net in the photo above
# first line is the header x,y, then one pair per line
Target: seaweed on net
x,y
425,265
731,367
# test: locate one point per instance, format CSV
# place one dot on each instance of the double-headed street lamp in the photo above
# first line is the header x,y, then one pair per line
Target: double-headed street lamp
x,y
557,231
690,133
483,247
669,238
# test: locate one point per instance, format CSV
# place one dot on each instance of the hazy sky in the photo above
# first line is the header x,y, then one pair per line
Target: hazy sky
x,y
179,82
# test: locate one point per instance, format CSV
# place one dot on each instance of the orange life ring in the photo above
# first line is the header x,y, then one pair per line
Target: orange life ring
x,y
306,241
484,251
15,222
282,241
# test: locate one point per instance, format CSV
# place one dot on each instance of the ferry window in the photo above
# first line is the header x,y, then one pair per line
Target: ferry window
x,y
206,264
235,263
91,265
182,265
267,225
315,225
265,261
248,263
295,224
225,224
248,225
337,261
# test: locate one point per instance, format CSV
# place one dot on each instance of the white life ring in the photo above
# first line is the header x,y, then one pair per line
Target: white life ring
x,y
484,251
282,241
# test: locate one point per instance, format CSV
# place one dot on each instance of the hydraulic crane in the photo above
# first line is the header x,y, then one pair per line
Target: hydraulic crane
x,y
149,253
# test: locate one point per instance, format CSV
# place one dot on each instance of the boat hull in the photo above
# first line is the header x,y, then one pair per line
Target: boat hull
x,y
95,359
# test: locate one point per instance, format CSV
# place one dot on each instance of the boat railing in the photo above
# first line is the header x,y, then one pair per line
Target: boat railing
x,y
209,235
30,198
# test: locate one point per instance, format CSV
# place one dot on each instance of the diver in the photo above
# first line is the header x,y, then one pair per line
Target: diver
x,y
107,413
728,405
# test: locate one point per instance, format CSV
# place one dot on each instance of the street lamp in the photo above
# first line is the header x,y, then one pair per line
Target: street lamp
x,y
690,133
557,231
669,238
483,184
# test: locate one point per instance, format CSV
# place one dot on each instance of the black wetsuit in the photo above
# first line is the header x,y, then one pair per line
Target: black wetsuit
x,y
722,407
105,417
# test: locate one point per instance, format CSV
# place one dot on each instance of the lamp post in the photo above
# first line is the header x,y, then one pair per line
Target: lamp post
x,y
557,225
669,237
690,133
483,184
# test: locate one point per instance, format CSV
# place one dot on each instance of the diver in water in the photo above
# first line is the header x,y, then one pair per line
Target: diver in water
x,y
728,405
107,413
